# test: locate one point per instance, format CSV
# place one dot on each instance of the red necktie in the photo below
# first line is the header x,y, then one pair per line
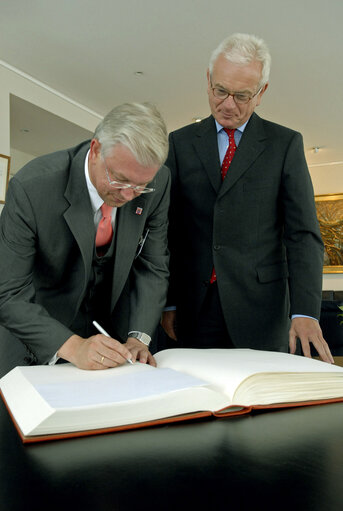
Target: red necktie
x,y
105,231
230,152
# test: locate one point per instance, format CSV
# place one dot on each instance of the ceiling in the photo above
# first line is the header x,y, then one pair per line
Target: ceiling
x,y
92,51
36,131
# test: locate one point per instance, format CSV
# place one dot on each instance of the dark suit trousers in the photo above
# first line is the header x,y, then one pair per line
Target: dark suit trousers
x,y
211,330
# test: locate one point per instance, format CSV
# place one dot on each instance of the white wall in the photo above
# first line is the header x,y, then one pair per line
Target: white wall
x,y
23,86
18,160
327,179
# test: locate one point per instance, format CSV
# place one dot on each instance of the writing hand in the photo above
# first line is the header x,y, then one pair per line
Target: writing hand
x,y
95,352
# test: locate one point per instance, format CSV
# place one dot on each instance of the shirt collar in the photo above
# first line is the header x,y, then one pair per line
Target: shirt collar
x,y
241,128
95,198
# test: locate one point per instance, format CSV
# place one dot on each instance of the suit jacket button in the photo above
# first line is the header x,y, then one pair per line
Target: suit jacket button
x,y
217,247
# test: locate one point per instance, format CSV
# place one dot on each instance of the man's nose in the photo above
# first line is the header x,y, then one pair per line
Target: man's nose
x,y
229,101
127,193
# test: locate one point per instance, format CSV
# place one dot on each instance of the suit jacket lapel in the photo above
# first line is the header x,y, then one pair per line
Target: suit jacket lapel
x,y
252,144
129,222
206,145
79,215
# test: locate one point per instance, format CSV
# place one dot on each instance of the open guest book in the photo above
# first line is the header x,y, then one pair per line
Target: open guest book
x,y
51,402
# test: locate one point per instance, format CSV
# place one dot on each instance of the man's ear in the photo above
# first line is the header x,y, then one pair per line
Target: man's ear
x,y
259,97
94,150
208,80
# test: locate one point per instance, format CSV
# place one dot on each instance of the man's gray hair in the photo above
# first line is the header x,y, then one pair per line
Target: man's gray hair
x,y
139,127
243,49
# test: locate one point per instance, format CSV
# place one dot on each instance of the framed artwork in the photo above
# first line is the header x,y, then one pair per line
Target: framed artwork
x,y
5,164
330,217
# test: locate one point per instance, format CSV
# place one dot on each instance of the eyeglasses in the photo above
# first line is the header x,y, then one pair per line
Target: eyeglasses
x,y
125,186
240,98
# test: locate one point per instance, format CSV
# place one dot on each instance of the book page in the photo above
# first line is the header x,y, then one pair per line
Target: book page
x,y
63,398
226,369
290,387
119,386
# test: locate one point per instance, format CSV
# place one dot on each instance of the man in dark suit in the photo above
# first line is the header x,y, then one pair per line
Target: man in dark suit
x,y
54,281
246,251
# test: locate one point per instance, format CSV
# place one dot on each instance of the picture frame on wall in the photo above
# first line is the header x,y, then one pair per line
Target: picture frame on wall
x,y
330,216
5,165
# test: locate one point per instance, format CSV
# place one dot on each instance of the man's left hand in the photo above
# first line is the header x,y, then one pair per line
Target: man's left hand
x,y
140,352
309,331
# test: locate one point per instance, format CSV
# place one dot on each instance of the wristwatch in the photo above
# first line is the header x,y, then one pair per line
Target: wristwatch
x,y
141,336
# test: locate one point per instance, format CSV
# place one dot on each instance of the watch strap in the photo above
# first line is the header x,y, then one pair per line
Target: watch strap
x,y
141,336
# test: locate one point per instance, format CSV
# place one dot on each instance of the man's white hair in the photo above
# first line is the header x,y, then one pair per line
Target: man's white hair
x,y
139,127
243,49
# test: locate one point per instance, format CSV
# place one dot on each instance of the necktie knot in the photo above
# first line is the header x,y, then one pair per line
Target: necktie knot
x,y
105,231
230,133
106,210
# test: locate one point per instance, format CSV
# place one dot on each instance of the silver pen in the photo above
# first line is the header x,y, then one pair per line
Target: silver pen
x,y
102,331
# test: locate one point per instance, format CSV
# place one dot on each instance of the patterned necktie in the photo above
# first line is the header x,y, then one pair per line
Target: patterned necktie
x,y
105,231
230,152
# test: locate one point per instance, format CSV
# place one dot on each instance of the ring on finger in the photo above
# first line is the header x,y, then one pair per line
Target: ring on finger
x,y
102,360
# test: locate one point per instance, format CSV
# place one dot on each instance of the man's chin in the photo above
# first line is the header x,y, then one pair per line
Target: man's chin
x,y
229,122
119,204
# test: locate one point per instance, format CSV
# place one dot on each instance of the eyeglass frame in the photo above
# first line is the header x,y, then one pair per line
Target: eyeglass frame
x,y
127,186
234,94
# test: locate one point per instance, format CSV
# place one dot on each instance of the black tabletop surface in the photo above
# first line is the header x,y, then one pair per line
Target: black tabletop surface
x,y
285,459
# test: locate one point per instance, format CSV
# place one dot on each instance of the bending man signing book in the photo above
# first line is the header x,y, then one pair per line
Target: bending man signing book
x,y
83,238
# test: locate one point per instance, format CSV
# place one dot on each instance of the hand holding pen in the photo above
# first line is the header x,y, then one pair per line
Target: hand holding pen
x,y
102,331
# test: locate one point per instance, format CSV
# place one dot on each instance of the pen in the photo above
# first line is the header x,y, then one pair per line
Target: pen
x,y
102,331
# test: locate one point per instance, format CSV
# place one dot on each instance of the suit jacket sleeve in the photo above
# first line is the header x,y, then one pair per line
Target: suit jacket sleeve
x,y
20,313
304,246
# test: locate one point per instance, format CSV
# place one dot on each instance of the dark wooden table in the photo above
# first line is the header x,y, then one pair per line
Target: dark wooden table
x,y
287,459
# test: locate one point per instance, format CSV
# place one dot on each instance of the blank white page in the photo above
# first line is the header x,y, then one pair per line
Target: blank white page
x,y
117,388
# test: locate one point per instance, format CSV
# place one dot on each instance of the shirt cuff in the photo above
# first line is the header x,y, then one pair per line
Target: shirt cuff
x,y
53,360
302,316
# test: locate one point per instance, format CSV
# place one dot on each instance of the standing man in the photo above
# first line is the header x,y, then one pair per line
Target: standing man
x,y
83,238
246,251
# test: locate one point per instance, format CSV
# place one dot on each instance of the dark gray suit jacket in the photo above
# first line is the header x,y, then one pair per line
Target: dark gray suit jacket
x,y
259,229
47,238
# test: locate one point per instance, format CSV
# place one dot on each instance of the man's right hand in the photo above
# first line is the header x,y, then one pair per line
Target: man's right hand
x,y
168,323
96,352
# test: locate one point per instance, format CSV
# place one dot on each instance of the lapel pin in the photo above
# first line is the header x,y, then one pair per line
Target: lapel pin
x,y
139,211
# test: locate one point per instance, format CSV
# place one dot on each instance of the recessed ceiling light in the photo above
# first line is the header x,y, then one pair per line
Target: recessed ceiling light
x,y
316,148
